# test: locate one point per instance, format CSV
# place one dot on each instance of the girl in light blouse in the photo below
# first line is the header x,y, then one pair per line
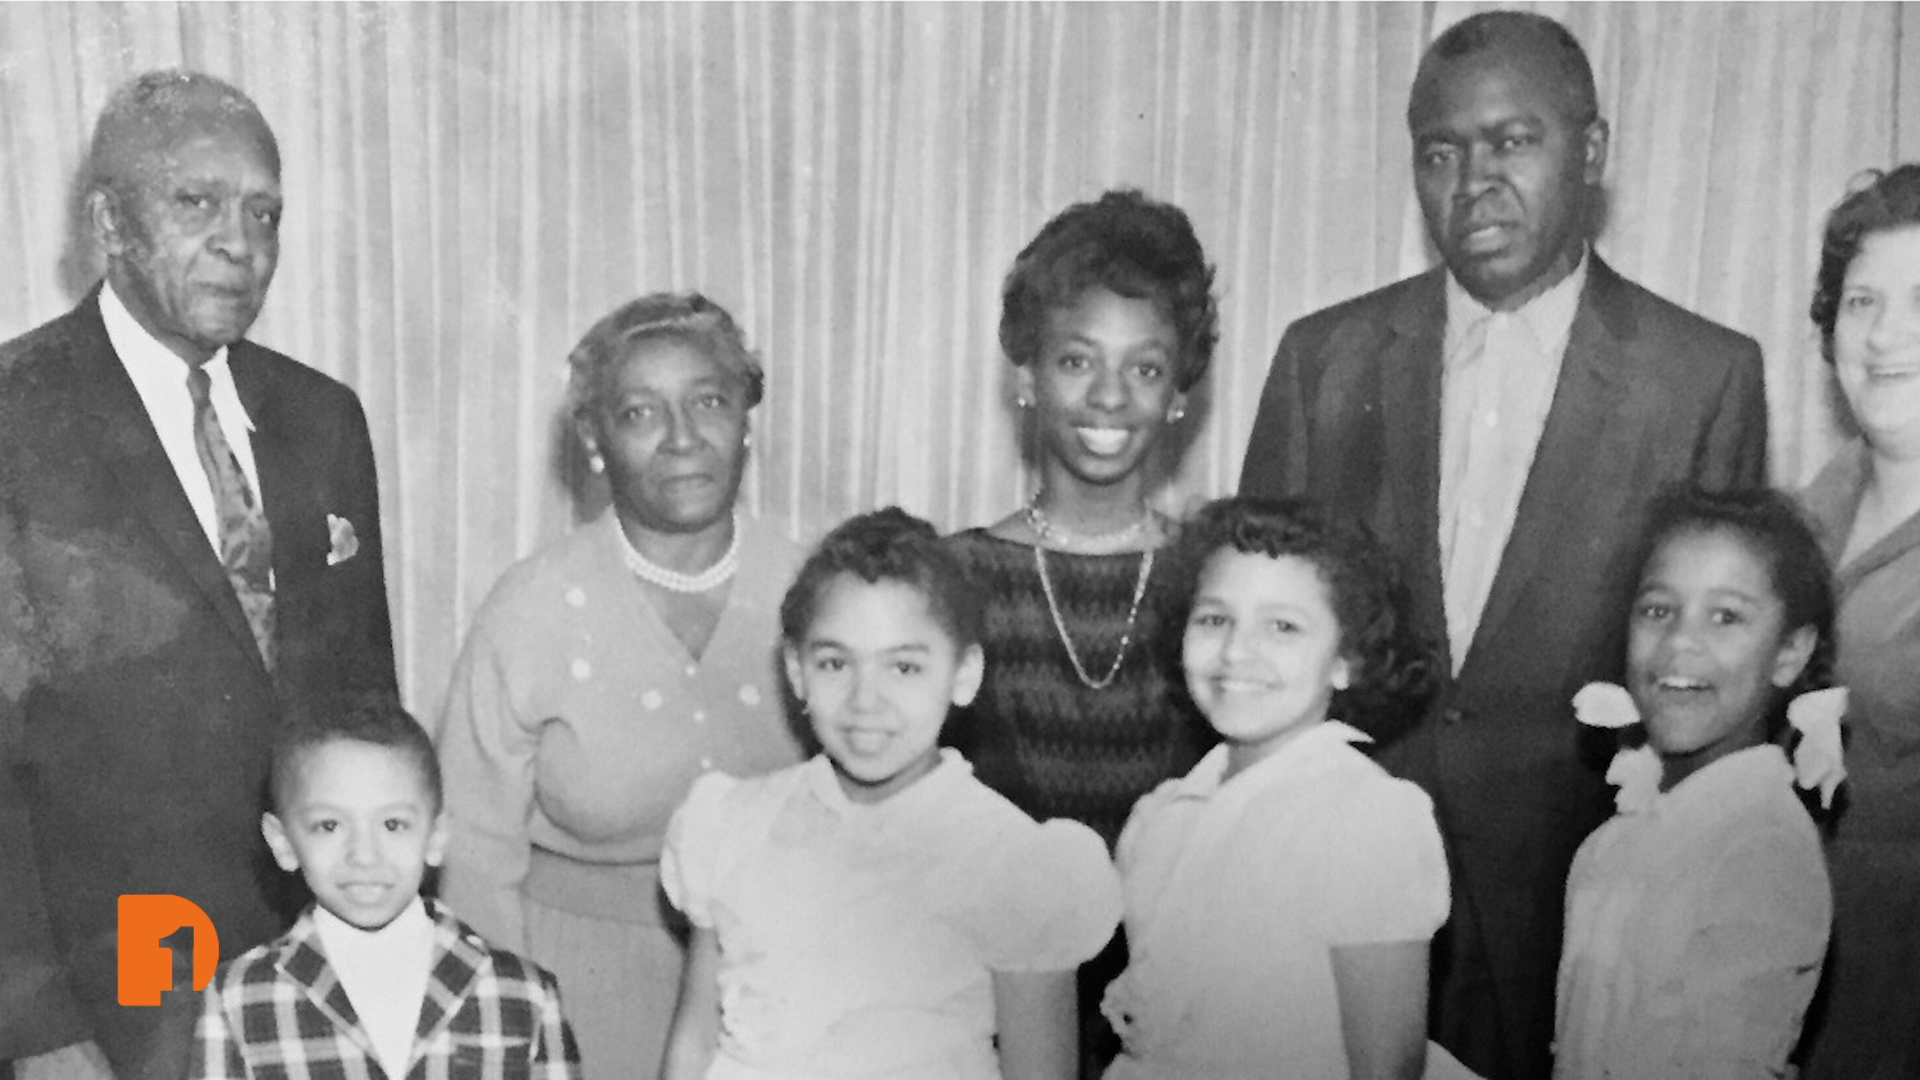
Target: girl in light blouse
x,y
1697,916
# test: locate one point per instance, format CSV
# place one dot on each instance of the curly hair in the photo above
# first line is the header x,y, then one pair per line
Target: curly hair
x,y
1133,245
687,317
1392,665
886,545
1877,201
372,717
1772,527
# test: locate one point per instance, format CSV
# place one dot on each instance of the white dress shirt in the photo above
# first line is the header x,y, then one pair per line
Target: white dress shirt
x,y
160,376
1500,371
385,973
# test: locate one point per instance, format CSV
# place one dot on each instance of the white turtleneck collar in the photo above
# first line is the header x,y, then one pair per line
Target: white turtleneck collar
x,y
385,974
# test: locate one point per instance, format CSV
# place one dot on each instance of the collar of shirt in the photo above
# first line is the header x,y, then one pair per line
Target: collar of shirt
x,y
825,788
160,378
159,374
1727,781
385,974
1205,779
351,948
1549,316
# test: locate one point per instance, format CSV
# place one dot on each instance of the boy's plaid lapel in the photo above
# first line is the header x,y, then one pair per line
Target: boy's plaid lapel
x,y
305,963
458,959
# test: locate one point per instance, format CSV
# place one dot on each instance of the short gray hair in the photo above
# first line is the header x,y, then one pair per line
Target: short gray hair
x,y
688,317
133,111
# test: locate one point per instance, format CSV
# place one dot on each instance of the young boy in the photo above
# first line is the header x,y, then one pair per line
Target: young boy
x,y
374,982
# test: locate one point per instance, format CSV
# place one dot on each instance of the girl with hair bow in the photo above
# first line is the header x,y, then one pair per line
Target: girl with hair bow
x,y
1697,918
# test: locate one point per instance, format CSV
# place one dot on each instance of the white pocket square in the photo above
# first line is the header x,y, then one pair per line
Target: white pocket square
x,y
344,544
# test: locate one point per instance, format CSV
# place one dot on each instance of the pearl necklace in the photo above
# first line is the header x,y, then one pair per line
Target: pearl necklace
x,y
673,580
1060,624
1094,544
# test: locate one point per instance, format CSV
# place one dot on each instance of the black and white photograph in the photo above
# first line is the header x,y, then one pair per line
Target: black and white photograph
x,y
959,540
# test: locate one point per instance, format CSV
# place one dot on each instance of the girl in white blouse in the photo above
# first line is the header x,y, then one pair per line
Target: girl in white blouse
x,y
1697,916
1281,897
877,911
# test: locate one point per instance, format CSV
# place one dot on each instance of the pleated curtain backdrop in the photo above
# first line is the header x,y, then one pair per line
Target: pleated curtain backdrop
x,y
469,186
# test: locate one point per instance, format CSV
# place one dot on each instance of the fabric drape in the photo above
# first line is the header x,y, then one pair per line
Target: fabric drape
x,y
469,186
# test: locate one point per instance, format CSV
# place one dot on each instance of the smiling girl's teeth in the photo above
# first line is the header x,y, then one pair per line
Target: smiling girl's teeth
x,y
867,741
1103,442
1674,682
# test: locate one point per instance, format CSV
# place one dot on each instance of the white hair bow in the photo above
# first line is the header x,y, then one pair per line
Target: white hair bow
x,y
1817,761
1635,771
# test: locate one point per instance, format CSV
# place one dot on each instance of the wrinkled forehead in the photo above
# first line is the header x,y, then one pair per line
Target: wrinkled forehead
x,y
139,140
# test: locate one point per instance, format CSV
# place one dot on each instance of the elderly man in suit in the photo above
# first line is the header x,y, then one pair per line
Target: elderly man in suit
x,y
189,543
1502,422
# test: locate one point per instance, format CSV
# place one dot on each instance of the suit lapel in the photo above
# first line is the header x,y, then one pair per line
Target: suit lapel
x,y
1834,501
283,487
457,964
306,966
128,445
1584,401
1411,370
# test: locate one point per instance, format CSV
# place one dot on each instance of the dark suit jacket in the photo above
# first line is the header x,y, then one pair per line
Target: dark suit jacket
x,y
137,715
1648,394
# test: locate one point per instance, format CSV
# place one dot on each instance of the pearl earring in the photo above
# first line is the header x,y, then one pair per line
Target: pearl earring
x,y
1176,413
596,463
1022,402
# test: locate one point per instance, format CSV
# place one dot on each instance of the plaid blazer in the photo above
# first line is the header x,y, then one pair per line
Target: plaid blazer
x,y
280,1011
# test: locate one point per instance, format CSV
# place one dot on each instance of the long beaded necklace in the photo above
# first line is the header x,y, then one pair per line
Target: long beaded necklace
x,y
673,580
1047,532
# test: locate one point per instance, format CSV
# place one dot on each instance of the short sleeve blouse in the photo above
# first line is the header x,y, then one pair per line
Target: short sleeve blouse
x,y
864,937
1695,930
1312,849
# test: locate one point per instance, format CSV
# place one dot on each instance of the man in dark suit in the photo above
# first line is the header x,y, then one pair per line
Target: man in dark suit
x,y
189,545
1502,423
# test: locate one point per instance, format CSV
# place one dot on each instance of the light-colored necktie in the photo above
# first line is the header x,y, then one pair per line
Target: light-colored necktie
x,y
246,543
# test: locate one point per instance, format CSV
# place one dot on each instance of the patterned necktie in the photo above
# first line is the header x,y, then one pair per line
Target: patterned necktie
x,y
246,544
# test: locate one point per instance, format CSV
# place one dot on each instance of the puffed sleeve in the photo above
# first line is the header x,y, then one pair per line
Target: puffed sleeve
x,y
1140,821
1384,869
487,754
1055,902
691,855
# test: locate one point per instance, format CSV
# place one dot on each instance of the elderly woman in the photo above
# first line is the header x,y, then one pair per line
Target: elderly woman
x,y
1867,501
609,669
1109,320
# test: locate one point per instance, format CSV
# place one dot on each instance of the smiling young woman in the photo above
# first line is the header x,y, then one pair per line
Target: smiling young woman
x,y
1109,320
